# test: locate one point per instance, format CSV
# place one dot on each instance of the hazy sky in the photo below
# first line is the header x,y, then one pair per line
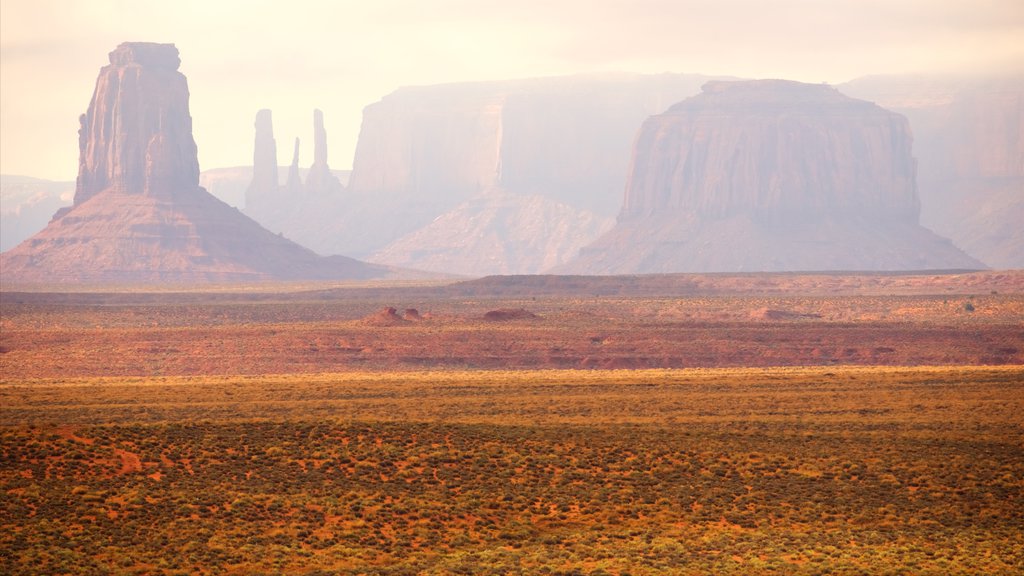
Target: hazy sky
x,y
293,56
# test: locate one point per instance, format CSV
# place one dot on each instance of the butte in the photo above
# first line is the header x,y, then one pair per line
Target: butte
x,y
770,175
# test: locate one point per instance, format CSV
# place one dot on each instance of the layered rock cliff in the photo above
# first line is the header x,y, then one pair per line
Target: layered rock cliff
x,y
969,141
139,214
770,175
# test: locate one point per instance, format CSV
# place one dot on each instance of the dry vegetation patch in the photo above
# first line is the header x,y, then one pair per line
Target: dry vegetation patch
x,y
788,471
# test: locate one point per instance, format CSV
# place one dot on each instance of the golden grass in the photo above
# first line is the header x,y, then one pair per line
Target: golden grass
x,y
835,394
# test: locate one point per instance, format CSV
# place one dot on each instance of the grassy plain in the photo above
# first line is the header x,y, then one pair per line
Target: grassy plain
x,y
737,425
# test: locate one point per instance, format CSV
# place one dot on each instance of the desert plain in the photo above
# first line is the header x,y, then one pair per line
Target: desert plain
x,y
680,424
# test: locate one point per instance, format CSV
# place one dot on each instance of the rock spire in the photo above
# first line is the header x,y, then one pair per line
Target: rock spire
x,y
320,180
294,184
264,165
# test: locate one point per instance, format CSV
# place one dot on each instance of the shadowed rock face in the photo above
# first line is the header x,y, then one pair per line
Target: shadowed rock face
x,y
770,176
138,124
139,214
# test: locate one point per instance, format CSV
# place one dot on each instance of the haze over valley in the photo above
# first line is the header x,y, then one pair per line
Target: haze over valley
x,y
517,176
458,287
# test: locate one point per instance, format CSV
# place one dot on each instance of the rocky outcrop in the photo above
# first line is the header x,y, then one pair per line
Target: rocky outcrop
x,y
387,316
259,197
139,214
293,187
298,209
138,115
969,141
770,176
320,181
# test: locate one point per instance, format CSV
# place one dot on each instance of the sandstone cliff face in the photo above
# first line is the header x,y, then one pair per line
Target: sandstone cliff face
x,y
565,138
430,154
770,176
139,214
140,102
773,149
969,141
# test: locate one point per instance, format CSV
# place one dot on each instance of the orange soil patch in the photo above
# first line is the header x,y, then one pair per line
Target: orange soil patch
x,y
129,461
69,433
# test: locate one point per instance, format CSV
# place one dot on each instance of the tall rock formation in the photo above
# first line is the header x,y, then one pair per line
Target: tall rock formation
x,y
770,175
139,214
320,181
138,114
259,197
969,141
294,185
300,210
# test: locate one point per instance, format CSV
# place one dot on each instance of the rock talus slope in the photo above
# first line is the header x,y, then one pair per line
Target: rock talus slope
x,y
139,214
770,175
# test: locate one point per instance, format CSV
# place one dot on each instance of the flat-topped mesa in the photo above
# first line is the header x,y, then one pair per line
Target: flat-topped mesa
x,y
770,175
138,122
320,179
148,54
773,149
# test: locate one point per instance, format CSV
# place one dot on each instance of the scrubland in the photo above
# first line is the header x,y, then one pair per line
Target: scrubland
x,y
735,435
